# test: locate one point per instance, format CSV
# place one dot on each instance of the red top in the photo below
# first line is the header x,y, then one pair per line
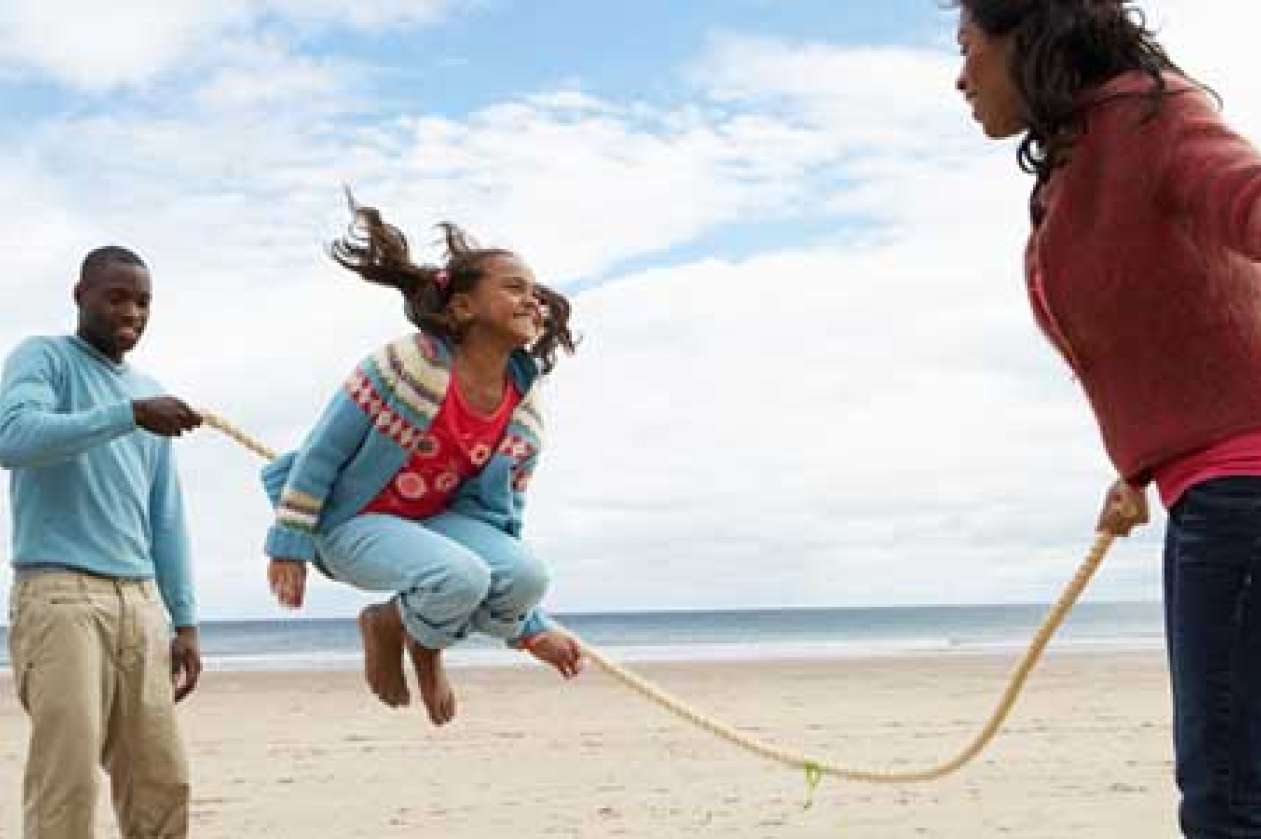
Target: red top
x,y
1142,273
455,446
1238,455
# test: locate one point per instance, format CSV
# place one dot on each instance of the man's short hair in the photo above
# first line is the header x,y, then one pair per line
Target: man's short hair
x,y
101,257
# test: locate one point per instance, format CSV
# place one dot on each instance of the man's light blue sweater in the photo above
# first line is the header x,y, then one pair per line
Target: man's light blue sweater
x,y
90,490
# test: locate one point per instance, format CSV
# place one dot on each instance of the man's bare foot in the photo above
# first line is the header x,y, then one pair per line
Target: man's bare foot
x,y
381,629
435,689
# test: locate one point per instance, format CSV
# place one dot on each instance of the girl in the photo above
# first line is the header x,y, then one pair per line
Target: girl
x,y
413,479
1142,272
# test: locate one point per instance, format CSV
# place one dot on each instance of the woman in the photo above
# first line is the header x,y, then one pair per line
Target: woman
x,y
1146,215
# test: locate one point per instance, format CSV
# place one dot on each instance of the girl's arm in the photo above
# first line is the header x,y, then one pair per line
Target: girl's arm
x,y
1212,174
337,435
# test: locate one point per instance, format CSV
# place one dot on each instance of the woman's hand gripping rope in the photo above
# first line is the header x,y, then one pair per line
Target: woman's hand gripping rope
x,y
1124,508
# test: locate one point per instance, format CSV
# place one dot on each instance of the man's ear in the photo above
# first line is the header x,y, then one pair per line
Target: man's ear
x,y
77,293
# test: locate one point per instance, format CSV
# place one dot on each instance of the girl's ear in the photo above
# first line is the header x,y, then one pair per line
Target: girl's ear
x,y
460,310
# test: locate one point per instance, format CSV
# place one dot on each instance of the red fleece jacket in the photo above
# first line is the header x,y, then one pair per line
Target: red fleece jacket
x,y
1145,251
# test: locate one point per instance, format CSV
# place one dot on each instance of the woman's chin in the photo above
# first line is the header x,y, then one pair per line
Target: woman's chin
x,y
1001,130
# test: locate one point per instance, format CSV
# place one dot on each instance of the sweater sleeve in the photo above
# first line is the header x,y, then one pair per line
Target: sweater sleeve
x,y
169,532
536,621
330,445
1212,174
32,432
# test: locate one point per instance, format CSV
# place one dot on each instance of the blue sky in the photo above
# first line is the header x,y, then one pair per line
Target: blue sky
x,y
809,376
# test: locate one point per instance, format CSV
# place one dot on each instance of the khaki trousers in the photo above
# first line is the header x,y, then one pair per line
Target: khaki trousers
x,y
91,663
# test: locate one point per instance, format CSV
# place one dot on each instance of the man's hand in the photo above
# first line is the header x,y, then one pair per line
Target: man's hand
x,y
185,661
287,578
1124,508
556,648
165,415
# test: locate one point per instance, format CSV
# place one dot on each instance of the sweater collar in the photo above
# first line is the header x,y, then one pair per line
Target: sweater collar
x,y
92,352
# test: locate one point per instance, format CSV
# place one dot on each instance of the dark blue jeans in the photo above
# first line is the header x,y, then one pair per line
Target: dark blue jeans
x,y
1213,630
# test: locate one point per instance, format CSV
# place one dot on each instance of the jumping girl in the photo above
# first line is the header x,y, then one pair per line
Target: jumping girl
x,y
413,479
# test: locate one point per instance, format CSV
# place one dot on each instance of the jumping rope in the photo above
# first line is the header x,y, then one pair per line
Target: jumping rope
x,y
816,769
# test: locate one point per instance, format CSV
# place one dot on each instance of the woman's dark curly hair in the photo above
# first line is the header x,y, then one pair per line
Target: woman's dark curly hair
x,y
1060,49
378,253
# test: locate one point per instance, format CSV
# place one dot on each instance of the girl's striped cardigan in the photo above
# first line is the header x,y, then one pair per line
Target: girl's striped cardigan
x,y
369,431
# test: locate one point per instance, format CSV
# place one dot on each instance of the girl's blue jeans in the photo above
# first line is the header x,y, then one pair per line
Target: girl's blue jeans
x,y
1213,630
452,574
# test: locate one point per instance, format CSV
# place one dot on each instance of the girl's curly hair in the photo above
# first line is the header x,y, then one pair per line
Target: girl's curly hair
x,y
378,252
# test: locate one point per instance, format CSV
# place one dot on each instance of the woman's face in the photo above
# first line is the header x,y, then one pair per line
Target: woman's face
x,y
985,80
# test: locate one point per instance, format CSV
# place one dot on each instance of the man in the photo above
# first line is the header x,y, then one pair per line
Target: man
x,y
97,519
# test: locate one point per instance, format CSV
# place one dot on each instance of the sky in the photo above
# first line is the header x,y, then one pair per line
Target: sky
x,y
808,373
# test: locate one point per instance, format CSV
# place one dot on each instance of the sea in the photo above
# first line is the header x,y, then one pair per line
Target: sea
x,y
714,635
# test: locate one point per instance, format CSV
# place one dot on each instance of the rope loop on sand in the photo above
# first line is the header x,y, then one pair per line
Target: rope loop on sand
x,y
815,768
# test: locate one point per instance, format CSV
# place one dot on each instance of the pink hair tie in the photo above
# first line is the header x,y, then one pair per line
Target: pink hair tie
x,y
442,279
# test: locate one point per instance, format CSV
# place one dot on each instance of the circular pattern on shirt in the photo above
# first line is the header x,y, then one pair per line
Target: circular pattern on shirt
x,y
479,454
447,481
411,486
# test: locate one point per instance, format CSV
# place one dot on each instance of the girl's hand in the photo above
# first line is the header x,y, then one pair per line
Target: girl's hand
x,y
1124,508
288,581
556,648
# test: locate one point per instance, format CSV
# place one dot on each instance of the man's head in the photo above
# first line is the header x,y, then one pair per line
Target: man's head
x,y
113,295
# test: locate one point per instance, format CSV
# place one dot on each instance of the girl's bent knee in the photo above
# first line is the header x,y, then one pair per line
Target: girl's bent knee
x,y
527,584
468,586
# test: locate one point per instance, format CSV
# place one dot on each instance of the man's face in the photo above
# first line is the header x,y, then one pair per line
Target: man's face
x,y
114,307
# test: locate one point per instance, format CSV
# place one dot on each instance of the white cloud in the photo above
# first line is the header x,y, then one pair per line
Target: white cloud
x,y
1218,48
99,46
102,46
265,75
864,95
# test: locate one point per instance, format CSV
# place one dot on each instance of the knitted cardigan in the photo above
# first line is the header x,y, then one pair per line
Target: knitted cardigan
x,y
1146,254
369,431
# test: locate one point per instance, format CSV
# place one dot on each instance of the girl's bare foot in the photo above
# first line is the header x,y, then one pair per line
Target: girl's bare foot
x,y
435,689
381,629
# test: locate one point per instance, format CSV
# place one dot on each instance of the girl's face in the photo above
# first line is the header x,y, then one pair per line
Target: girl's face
x,y
504,304
985,80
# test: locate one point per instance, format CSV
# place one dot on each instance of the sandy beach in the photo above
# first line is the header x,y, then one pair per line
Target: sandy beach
x,y
283,755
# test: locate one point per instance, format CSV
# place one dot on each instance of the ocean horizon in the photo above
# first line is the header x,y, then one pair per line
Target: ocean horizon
x,y
712,635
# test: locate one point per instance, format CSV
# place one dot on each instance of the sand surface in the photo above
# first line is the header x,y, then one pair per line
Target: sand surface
x,y
312,755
